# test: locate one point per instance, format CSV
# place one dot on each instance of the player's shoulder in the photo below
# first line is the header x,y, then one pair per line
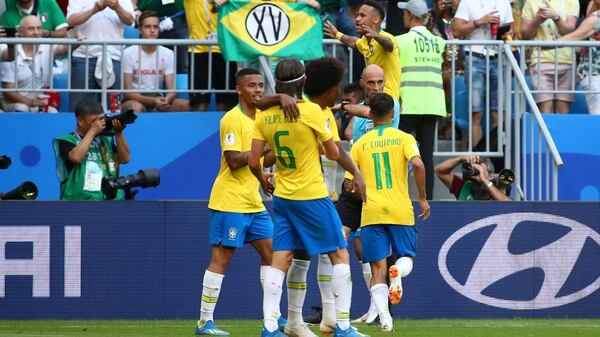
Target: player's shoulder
x,y
308,107
234,114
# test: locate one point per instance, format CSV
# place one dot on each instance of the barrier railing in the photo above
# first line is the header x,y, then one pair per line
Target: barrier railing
x,y
530,136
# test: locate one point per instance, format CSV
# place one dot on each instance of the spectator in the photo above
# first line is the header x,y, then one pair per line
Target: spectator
x,y
33,64
172,25
54,23
97,20
147,69
377,46
476,181
85,156
547,20
351,94
201,16
474,20
589,66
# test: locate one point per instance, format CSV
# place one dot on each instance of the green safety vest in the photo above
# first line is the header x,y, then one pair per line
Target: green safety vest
x,y
72,183
421,84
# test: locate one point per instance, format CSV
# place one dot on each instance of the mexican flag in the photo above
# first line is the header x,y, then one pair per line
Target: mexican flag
x,y
248,29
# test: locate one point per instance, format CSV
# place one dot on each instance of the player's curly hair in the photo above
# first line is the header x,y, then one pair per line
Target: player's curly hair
x,y
322,74
289,77
377,6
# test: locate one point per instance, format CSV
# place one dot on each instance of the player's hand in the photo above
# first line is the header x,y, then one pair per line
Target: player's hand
x,y
329,29
348,186
369,31
358,187
266,184
289,105
425,209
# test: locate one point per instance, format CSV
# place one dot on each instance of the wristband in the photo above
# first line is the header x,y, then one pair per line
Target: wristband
x,y
489,184
339,35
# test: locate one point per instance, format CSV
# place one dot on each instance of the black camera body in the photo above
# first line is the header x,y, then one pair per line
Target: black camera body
x,y
25,191
126,117
144,178
468,171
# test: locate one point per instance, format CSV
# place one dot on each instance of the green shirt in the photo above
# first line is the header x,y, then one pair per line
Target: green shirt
x,y
162,10
48,11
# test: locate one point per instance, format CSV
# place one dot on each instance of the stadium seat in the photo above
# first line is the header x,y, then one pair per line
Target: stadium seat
x,y
181,83
131,33
61,81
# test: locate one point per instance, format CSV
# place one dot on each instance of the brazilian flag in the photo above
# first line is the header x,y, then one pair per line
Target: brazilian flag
x,y
248,29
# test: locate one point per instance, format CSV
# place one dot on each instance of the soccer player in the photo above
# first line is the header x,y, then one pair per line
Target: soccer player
x,y
240,217
387,222
305,215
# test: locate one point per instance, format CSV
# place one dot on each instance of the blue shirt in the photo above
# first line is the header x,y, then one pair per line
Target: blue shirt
x,y
363,125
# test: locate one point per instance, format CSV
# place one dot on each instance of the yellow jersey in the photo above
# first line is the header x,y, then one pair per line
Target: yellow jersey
x,y
235,190
202,23
298,173
331,124
382,156
388,61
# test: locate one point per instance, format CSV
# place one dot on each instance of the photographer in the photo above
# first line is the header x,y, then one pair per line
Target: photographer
x,y
476,182
85,156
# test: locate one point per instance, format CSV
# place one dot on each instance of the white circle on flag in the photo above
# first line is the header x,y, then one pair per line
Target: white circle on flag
x,y
267,24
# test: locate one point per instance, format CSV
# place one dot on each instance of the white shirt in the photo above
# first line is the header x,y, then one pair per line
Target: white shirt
x,y
25,70
152,73
104,25
470,10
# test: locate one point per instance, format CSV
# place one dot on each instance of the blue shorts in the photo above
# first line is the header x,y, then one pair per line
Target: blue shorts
x,y
235,229
377,239
310,225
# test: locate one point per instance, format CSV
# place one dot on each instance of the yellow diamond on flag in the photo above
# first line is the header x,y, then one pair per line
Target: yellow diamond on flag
x,y
266,26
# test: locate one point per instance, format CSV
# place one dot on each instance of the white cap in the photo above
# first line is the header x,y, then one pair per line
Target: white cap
x,y
110,74
417,7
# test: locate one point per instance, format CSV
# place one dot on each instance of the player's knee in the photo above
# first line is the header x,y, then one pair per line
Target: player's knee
x,y
339,256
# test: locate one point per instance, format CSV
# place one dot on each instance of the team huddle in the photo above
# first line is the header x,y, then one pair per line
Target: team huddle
x,y
292,131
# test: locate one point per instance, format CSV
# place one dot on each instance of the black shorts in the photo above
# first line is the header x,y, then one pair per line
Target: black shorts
x,y
349,209
218,81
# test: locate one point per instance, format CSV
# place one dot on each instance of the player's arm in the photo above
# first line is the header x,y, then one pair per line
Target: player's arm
x,y
288,104
419,172
349,129
359,110
235,159
256,167
358,183
386,43
269,157
331,149
330,30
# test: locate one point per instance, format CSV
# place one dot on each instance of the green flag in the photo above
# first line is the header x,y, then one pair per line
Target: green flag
x,y
248,29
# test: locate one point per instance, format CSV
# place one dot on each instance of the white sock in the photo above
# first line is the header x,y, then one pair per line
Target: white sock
x,y
342,290
379,296
263,274
272,297
324,271
366,270
405,266
211,287
296,290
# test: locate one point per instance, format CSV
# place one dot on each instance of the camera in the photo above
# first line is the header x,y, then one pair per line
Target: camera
x,y
126,117
144,178
10,32
504,180
468,171
25,191
5,162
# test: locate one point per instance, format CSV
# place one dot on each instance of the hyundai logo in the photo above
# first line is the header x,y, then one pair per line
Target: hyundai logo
x,y
494,262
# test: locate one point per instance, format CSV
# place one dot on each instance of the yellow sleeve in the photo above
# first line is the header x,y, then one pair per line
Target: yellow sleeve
x,y
258,132
315,119
527,11
231,134
362,45
411,149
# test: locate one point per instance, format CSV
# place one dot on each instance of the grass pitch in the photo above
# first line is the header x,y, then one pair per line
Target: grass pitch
x,y
404,328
